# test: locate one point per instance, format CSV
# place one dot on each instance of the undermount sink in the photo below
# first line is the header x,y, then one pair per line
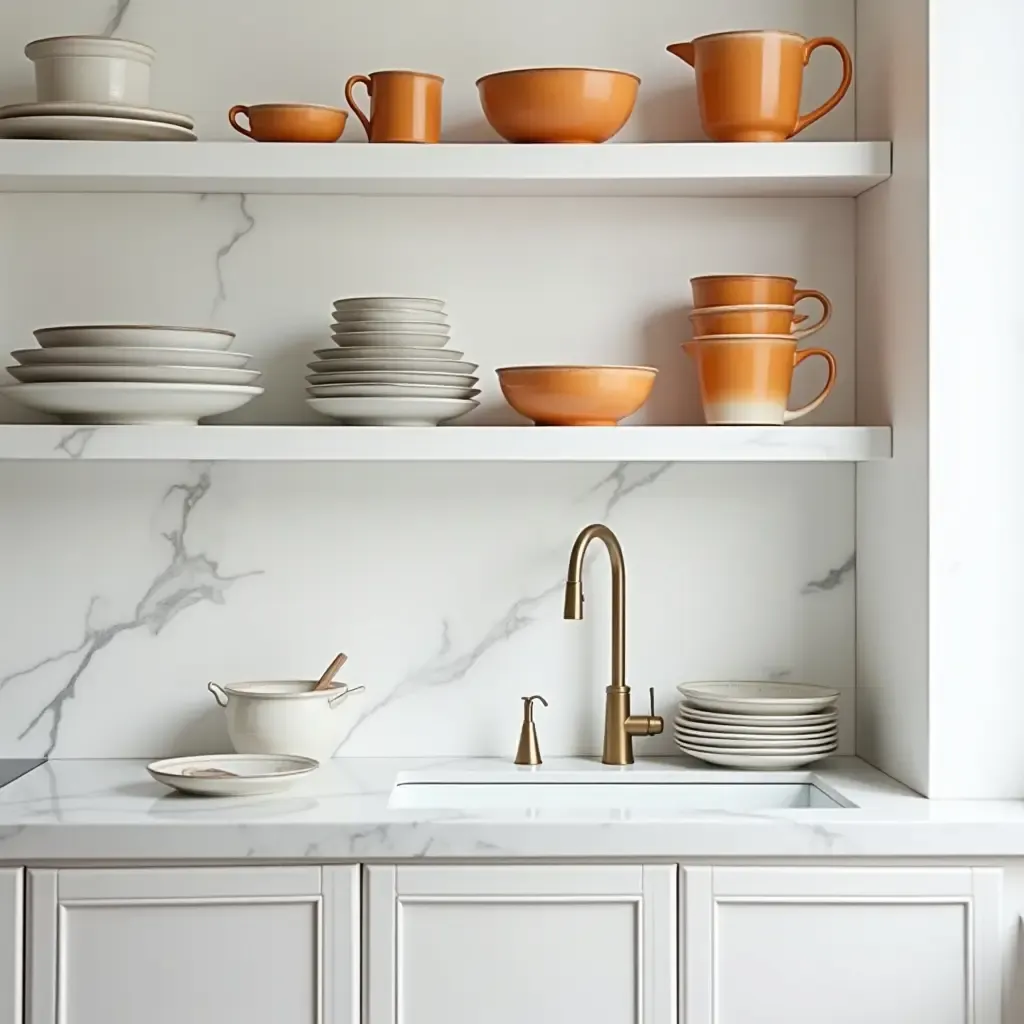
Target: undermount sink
x,y
644,794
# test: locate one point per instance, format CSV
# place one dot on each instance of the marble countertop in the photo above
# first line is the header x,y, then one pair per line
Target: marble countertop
x,y
69,811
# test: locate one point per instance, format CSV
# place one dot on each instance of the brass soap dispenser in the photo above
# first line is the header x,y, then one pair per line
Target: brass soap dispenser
x,y
529,751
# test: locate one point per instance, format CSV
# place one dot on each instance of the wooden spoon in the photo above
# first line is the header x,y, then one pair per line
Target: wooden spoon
x,y
331,671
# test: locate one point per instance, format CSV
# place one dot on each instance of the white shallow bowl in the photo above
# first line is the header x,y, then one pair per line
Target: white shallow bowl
x,y
731,718
131,403
373,376
390,316
136,374
717,729
394,352
95,129
398,365
388,302
389,391
134,336
392,412
764,698
701,739
385,339
389,326
252,774
753,761
106,355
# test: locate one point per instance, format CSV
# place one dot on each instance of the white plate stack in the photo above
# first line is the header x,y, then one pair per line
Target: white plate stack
x,y
391,366
757,725
132,374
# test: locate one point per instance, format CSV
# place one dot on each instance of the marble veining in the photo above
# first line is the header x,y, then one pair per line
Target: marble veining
x,y
117,15
833,578
224,251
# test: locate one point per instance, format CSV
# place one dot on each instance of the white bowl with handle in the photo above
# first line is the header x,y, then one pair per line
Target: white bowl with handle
x,y
285,716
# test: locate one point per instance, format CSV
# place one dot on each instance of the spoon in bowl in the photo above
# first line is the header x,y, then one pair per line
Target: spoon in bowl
x,y
330,672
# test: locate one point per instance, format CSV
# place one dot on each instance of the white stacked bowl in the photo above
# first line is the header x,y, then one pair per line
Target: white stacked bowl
x,y
133,374
391,365
757,725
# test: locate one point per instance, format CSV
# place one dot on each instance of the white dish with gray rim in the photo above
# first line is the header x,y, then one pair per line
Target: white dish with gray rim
x,y
93,129
400,365
762,698
390,316
117,356
392,412
732,718
390,326
754,760
63,372
394,352
387,339
232,774
789,744
77,109
375,376
388,302
133,336
389,391
685,720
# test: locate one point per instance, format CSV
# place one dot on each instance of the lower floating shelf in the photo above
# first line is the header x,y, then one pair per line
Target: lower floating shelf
x,y
446,444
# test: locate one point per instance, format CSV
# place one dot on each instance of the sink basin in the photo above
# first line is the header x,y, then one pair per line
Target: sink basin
x,y
644,794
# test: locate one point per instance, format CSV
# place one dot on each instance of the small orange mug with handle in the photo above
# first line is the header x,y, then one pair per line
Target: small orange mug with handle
x,y
405,106
749,83
746,379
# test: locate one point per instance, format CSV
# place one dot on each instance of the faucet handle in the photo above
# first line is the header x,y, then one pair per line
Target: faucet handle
x,y
652,701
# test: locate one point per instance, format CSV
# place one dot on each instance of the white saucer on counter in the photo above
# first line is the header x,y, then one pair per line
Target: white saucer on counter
x,y
232,774
99,129
73,108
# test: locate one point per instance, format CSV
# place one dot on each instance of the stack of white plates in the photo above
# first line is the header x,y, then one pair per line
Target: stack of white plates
x,y
68,119
138,374
391,366
757,725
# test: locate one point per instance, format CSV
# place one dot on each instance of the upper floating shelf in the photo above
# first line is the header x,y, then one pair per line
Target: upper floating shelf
x,y
736,169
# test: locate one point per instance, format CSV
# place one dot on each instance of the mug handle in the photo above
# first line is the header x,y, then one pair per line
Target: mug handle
x,y
218,691
798,357
809,47
353,81
233,119
826,311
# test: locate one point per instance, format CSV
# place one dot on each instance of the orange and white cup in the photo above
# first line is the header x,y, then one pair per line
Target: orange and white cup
x,y
745,379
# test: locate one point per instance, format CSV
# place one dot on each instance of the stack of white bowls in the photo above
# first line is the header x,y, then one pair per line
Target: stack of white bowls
x,y
391,366
757,725
140,374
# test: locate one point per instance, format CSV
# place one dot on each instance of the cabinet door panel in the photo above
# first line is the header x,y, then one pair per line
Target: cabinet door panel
x,y
11,938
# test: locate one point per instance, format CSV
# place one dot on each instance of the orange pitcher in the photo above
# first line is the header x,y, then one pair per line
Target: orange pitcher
x,y
749,83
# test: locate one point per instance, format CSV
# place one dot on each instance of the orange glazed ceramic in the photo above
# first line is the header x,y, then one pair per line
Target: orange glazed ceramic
x,y
766,319
749,83
746,379
405,106
755,290
576,396
558,104
290,122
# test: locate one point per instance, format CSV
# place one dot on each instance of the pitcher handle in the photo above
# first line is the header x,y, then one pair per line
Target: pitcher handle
x,y
354,81
809,47
826,311
218,694
798,357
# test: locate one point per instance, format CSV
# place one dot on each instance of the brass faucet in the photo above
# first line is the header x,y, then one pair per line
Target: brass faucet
x,y
619,725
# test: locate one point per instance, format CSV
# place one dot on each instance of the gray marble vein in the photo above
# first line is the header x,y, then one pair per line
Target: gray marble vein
x,y
247,227
189,578
119,10
73,444
623,487
832,579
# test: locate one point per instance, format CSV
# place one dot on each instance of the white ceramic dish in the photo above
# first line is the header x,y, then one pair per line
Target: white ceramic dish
x,y
452,380
389,302
700,739
285,716
753,761
392,412
762,698
250,774
91,69
389,391
347,327
137,374
110,403
389,316
96,110
715,728
386,339
331,366
395,352
133,336
727,718
97,129
118,356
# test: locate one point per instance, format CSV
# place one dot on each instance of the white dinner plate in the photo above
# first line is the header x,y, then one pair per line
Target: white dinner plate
x,y
137,374
115,355
700,739
731,718
389,339
718,729
131,403
394,352
389,391
400,365
75,108
389,316
232,774
753,761
102,129
392,412
762,698
388,302
453,380
133,336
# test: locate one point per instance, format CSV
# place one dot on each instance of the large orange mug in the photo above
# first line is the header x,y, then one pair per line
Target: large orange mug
x,y
755,290
749,83
405,106
746,379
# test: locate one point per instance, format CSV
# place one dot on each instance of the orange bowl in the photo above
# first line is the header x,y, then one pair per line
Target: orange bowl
x,y
558,104
576,396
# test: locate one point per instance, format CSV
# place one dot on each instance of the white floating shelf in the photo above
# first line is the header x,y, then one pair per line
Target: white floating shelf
x,y
627,169
446,444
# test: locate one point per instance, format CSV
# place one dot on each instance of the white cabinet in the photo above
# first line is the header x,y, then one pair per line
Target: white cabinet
x,y
11,944
261,945
521,944
843,945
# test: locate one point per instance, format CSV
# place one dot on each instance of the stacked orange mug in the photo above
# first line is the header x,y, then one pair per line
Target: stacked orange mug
x,y
744,345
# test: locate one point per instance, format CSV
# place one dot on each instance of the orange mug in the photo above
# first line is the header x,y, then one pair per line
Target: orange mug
x,y
405,106
751,319
749,83
756,290
746,379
